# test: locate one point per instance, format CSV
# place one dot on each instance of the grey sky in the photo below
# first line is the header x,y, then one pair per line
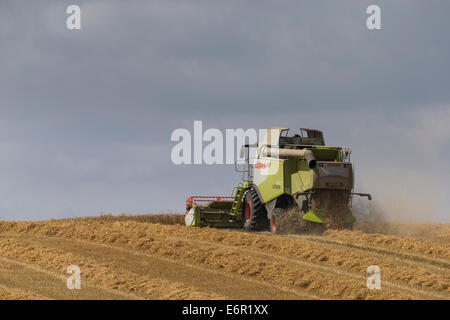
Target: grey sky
x,y
86,116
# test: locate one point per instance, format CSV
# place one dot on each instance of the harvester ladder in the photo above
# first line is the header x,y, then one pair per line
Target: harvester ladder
x,y
240,191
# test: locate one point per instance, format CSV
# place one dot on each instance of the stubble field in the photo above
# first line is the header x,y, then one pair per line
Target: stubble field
x,y
155,257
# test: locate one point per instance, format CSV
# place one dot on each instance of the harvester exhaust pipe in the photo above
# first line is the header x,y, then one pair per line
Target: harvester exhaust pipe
x,y
302,153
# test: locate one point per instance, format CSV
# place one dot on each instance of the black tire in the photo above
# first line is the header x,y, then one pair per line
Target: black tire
x,y
254,213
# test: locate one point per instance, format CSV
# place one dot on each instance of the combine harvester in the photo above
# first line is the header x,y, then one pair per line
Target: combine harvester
x,y
294,184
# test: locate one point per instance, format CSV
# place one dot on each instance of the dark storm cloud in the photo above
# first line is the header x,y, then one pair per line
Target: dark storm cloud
x,y
216,54
90,112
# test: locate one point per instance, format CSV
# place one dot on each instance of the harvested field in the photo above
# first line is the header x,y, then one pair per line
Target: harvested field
x,y
155,257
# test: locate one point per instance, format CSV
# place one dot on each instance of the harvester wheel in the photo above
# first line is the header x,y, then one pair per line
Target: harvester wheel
x,y
254,213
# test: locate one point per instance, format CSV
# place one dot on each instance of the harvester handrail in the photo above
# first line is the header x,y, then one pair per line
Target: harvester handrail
x,y
209,198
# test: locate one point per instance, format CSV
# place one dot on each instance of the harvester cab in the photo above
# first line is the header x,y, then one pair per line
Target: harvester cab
x,y
294,183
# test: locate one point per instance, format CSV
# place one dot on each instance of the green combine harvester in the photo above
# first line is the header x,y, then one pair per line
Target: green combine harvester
x,y
293,184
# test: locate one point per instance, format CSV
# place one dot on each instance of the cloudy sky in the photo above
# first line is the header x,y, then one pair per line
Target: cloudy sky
x,y
86,115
